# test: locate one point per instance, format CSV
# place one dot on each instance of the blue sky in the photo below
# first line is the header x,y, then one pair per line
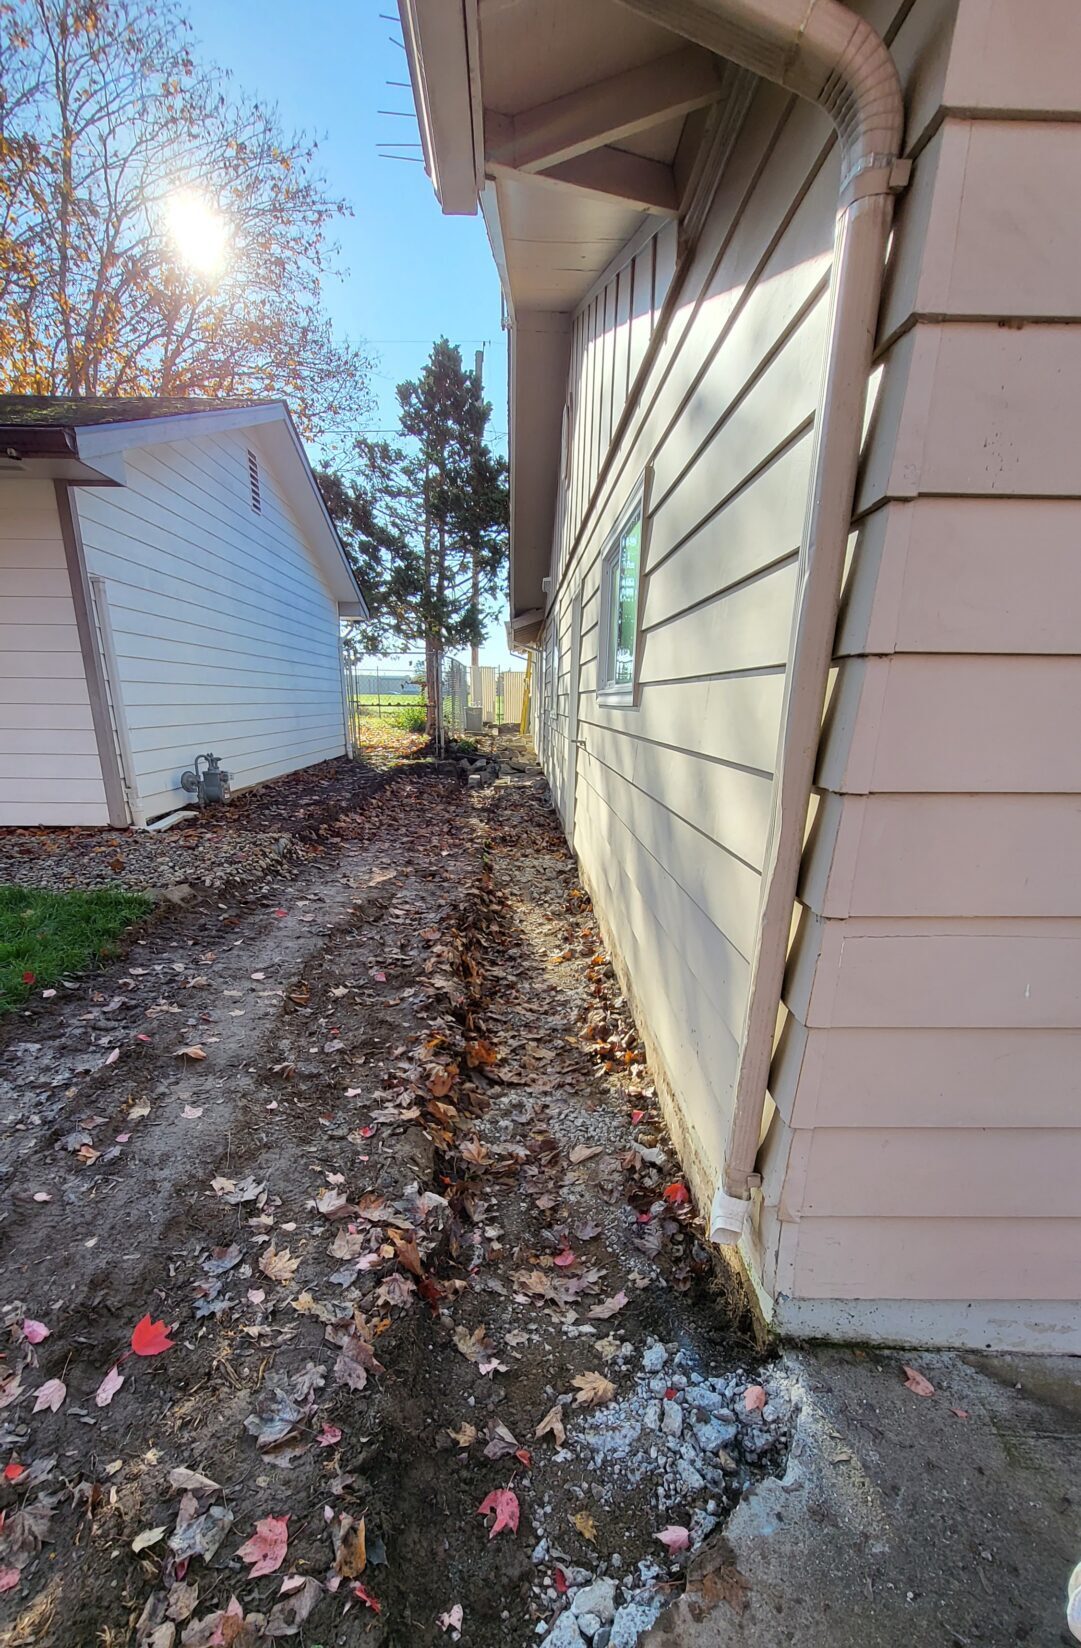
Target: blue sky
x,y
411,274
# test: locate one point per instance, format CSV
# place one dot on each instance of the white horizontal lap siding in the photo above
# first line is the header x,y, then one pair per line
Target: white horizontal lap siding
x,y
226,633
49,767
673,794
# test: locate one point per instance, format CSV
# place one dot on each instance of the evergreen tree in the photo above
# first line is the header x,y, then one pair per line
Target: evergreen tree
x,y
425,519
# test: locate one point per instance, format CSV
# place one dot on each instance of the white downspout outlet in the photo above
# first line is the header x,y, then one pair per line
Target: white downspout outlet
x,y
824,52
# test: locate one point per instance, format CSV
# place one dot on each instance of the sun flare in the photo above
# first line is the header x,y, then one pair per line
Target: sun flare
x,y
198,231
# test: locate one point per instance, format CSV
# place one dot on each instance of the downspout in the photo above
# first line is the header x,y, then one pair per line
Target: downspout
x,y
822,51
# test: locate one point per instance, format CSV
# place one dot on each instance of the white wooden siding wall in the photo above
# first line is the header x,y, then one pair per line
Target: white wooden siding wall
x,y
672,797
49,767
226,635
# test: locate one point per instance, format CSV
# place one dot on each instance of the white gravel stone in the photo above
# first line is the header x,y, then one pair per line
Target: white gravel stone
x,y
589,1625
633,1621
566,1634
654,1359
598,1598
672,1420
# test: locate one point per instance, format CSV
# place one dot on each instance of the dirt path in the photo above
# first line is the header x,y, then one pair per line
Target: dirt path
x,y
412,1205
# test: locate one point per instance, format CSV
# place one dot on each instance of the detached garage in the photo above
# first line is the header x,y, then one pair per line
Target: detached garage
x,y
170,584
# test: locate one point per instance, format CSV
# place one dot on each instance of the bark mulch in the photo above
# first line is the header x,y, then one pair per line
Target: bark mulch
x,y
434,1351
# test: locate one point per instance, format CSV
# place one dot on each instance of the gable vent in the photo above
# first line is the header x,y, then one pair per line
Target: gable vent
x,y
253,481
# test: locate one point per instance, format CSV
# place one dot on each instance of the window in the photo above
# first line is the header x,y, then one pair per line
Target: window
x,y
619,606
253,482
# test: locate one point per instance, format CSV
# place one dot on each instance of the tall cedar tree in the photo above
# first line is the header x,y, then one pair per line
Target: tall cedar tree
x,y
425,520
105,117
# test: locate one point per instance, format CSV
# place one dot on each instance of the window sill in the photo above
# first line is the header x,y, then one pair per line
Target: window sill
x,y
616,698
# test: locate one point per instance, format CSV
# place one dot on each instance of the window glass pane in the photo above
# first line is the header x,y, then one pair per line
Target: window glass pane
x,y
625,603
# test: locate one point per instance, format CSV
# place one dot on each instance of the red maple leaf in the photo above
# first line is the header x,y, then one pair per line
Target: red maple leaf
x,y
30,978
504,1502
676,1194
367,1598
150,1338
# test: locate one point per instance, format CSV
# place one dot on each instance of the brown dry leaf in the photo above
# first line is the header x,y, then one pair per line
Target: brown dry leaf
x,y
471,1345
408,1254
441,1080
585,1525
582,1152
600,1313
350,1547
552,1423
593,1389
465,1435
480,1053
189,1053
725,1584
916,1382
347,1244
280,1267
754,1398
473,1151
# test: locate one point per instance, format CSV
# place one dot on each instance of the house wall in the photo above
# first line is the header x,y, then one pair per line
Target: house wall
x,y
907,1168
226,633
50,772
922,1174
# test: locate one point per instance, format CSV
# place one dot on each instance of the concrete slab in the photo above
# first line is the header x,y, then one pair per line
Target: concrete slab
x,y
899,1523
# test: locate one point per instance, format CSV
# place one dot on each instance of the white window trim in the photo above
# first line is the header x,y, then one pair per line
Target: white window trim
x,y
621,694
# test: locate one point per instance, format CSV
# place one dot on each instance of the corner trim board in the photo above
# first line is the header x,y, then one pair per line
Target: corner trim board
x,y
111,776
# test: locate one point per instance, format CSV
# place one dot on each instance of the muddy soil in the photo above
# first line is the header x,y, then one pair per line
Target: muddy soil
x,y
375,1141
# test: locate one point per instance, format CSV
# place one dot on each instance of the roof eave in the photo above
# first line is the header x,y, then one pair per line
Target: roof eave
x,y
438,36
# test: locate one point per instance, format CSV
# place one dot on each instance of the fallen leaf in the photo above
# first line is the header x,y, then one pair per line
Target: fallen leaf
x,y
754,1399
583,1152
266,1548
675,1538
199,1535
192,1112
34,1332
190,1053
366,1597
50,1395
504,1503
280,1267
188,1480
552,1424
149,1536
350,1546
465,1435
150,1338
600,1313
9,1578
108,1387
725,1584
916,1382
676,1195
593,1389
286,1618
585,1525
452,1619
959,1413
356,1360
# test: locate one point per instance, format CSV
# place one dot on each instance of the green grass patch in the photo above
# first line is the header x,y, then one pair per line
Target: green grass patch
x,y
387,698
46,936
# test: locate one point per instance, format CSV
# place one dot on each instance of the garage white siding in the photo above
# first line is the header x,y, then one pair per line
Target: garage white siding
x,y
49,767
226,633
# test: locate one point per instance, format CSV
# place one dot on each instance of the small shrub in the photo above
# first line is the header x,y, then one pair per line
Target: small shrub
x,y
410,717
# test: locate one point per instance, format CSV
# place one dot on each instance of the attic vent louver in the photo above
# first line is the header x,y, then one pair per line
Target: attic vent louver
x,y
253,481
